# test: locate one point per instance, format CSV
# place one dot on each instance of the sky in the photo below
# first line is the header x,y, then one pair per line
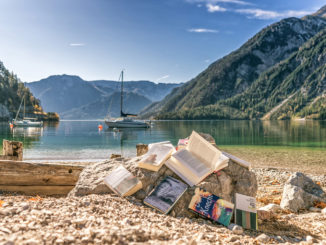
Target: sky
x,y
168,41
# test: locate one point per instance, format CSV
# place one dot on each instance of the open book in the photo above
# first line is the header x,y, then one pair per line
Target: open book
x,y
122,182
157,154
198,160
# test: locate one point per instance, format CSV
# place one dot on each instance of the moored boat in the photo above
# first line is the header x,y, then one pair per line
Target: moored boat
x,y
125,121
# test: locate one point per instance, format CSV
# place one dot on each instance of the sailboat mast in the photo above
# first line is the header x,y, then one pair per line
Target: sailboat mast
x,y
121,97
24,106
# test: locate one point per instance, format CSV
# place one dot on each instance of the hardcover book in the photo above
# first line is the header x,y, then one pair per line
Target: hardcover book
x,y
245,211
239,161
166,194
211,206
157,154
122,182
198,160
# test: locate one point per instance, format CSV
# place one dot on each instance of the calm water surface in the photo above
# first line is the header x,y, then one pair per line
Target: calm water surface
x,y
82,141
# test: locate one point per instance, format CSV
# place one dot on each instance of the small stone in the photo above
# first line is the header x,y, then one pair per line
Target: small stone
x,y
310,239
272,208
31,241
263,238
323,211
264,215
5,230
236,229
233,239
315,210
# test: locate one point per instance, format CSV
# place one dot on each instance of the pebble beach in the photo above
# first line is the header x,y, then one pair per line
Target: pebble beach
x,y
109,219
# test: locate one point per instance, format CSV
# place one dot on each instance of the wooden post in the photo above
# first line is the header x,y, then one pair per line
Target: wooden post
x,y
141,149
12,150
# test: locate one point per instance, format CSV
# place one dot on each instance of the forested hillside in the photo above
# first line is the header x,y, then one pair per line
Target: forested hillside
x,y
12,90
259,80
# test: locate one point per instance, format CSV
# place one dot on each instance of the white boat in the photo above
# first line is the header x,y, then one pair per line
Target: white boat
x,y
125,121
25,122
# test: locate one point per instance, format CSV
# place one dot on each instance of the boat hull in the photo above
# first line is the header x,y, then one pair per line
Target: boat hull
x,y
126,124
27,124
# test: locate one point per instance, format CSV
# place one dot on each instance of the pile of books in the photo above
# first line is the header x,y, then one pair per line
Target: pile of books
x,y
193,160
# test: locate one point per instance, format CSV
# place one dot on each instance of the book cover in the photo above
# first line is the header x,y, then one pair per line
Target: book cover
x,y
156,155
122,182
211,206
166,194
245,211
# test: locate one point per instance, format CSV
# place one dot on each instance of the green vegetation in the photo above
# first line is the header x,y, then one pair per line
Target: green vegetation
x,y
12,90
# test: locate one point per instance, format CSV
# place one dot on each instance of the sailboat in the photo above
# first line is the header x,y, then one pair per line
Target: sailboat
x,y
25,122
125,121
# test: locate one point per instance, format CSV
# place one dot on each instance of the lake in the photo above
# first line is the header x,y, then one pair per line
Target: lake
x,y
82,141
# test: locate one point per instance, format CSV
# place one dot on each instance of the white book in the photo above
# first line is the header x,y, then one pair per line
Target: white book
x,y
198,160
239,161
122,182
157,154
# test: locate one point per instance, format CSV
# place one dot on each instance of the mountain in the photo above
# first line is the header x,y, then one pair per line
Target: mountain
x,y
109,105
12,91
70,94
236,73
153,91
62,92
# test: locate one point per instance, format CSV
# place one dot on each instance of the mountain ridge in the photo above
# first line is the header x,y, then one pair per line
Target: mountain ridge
x,y
234,74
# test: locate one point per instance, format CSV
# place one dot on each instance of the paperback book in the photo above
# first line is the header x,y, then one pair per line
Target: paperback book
x,y
122,182
198,160
211,206
166,194
157,154
245,211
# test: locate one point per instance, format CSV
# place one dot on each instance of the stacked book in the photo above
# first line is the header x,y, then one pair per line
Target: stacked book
x,y
193,161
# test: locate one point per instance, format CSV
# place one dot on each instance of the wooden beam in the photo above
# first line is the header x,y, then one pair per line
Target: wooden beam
x,y
14,173
38,190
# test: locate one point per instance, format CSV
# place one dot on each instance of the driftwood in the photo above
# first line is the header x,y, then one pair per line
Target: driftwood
x,y
38,178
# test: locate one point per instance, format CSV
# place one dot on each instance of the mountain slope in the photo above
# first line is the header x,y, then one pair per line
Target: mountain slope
x,y
62,93
153,91
234,73
12,90
109,105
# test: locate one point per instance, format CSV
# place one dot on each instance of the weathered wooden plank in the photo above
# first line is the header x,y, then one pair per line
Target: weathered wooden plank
x,y
38,174
38,190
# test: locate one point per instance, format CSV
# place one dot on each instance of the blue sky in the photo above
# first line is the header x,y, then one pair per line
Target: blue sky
x,y
156,40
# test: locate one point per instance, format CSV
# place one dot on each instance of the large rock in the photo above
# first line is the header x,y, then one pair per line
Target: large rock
x,y
225,183
300,192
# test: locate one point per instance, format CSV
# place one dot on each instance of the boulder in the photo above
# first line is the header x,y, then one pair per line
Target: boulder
x,y
232,179
300,192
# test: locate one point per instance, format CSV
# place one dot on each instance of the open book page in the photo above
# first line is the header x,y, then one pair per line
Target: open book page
x,y
204,151
157,153
194,164
184,173
120,180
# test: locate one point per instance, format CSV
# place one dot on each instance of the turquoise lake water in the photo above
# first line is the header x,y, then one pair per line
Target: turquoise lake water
x,y
82,141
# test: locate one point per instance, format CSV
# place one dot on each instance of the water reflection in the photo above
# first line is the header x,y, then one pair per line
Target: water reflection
x,y
84,140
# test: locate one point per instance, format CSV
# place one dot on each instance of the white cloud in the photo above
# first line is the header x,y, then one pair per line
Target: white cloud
x,y
214,8
202,30
77,44
240,2
267,14
162,78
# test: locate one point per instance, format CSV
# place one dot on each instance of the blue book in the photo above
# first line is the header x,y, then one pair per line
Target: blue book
x,y
166,194
211,206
